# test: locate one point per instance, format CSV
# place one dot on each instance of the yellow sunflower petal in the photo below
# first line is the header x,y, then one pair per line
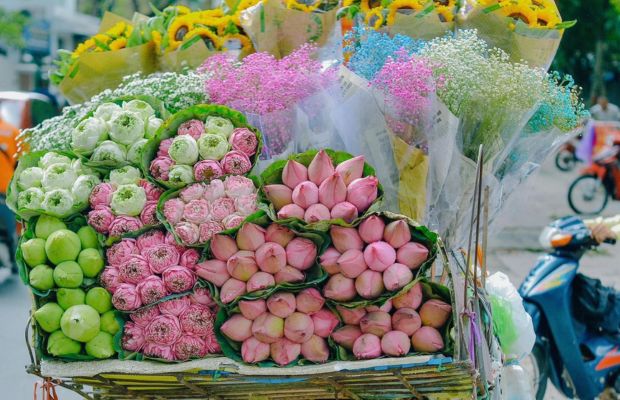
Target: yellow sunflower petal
x,y
246,43
402,5
295,5
178,30
118,44
519,11
207,35
367,5
374,18
446,13
547,18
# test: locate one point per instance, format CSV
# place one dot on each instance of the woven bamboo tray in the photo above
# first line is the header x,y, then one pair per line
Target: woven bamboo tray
x,y
418,377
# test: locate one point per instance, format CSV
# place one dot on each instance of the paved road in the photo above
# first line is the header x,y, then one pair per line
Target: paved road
x,y
514,250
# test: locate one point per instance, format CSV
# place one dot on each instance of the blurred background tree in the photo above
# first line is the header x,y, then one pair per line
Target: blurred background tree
x,y
590,50
127,8
11,27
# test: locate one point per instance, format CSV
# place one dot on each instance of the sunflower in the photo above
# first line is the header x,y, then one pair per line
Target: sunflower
x,y
398,5
118,44
209,37
347,3
520,10
178,30
157,40
84,47
246,43
367,5
544,4
295,5
374,18
445,13
547,18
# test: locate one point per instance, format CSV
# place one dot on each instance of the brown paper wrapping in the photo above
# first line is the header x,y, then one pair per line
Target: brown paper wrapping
x,y
425,27
192,57
413,172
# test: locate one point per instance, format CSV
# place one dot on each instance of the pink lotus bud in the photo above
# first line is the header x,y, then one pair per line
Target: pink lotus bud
x,y
251,309
284,352
289,274
379,256
377,322
412,255
294,173
397,233
435,313
202,296
271,257
291,211
351,169
397,276
133,337
259,281
232,289
110,279
250,237
371,229
254,351
351,316
406,320
347,335
316,213
315,349
369,284
324,322
367,346
281,304
278,195
385,307
395,344
301,253
223,247
427,340
279,234
332,191
411,299
214,271
238,328
352,263
309,301
320,168
329,261
345,238
306,194
242,265
345,211
363,192
298,327
340,288
268,328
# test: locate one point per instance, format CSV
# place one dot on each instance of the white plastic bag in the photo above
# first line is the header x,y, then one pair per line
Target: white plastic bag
x,y
514,384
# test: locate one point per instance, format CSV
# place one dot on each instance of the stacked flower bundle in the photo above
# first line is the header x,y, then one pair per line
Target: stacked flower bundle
x,y
377,14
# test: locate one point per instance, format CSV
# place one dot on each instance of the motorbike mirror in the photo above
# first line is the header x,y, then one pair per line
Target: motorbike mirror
x,y
561,240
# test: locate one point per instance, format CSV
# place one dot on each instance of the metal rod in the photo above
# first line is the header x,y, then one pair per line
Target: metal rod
x,y
471,228
485,235
478,201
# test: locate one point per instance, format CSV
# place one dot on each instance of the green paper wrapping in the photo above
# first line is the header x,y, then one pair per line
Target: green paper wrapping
x,y
314,275
170,126
273,175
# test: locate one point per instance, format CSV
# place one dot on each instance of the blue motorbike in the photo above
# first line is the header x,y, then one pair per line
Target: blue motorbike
x,y
579,361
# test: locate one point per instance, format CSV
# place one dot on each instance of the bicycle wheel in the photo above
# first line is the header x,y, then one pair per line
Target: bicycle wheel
x,y
536,367
565,160
587,195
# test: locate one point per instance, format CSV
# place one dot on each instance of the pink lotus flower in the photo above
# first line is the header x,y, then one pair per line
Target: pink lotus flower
x,y
237,328
315,349
345,211
192,192
412,255
101,218
194,127
242,265
379,256
271,257
278,195
289,274
178,279
189,259
284,352
306,194
189,346
163,330
252,309
352,264
197,319
332,191
411,299
120,251
244,140
148,215
281,304
324,322
346,336
126,298
144,316
351,169
174,307
223,247
202,296
162,257
172,241
309,301
211,344
397,233
395,344
406,320
301,253
151,289
134,269
214,190
214,271
110,279
158,351
371,229
435,313
208,229
101,195
320,168
160,167
329,261
279,234
298,327
164,145
233,221
231,289
369,284
340,288
236,163
363,192
237,186
246,205
250,237
187,232
346,238
268,328
124,224
427,340
173,210
133,337
294,173
377,322
221,208
254,351
316,213
196,211
207,170
397,276
259,281
291,211
153,193
149,239
351,316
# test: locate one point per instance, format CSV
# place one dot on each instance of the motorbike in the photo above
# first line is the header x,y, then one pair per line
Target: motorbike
x,y
566,157
578,359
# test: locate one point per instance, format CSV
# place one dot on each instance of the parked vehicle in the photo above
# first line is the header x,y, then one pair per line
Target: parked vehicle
x,y
578,351
566,158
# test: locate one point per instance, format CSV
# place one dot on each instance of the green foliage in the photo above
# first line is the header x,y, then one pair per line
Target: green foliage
x,y
12,25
